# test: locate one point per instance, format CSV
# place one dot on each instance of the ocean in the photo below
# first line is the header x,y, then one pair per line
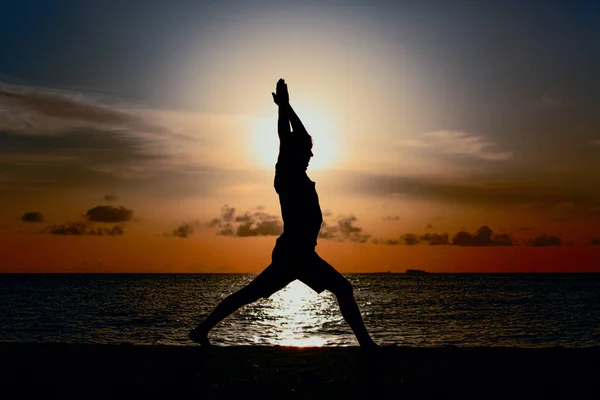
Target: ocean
x,y
516,310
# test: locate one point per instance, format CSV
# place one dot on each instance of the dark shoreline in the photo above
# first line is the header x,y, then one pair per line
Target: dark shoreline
x,y
48,370
254,273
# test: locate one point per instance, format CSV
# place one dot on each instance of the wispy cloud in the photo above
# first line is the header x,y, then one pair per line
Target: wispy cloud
x,y
459,144
45,111
32,216
530,196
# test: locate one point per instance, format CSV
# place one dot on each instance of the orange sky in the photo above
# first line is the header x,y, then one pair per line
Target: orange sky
x,y
420,127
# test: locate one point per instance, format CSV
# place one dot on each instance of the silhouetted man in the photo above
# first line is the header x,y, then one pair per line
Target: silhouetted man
x,y
294,255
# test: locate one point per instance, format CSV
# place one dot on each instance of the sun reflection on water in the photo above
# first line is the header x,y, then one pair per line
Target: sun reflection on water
x,y
295,316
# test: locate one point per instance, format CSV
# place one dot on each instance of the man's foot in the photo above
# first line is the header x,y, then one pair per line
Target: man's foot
x,y
369,346
199,336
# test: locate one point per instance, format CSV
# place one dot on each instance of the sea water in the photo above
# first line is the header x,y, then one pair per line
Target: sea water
x,y
517,310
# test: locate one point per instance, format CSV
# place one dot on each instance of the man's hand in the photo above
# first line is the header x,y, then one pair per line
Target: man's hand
x,y
281,97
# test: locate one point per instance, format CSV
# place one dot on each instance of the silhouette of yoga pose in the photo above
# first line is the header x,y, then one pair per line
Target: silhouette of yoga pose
x,y
294,256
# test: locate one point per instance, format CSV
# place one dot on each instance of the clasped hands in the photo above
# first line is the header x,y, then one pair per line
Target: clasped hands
x,y
281,96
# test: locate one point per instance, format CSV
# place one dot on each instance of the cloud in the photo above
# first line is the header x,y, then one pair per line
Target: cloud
x,y
595,242
347,230
37,110
32,216
544,240
484,236
524,195
110,197
435,239
550,100
429,226
224,222
251,223
410,239
81,228
109,214
459,144
259,224
596,142
391,218
328,231
59,138
183,231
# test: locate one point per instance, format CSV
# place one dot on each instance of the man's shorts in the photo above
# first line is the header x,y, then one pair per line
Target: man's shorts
x,y
289,263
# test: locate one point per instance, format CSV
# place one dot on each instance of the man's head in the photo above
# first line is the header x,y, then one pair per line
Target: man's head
x,y
299,150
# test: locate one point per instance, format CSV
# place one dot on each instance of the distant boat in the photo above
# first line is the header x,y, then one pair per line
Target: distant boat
x,y
416,272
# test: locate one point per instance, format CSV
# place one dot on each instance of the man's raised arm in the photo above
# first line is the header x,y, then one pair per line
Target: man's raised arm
x,y
297,126
282,99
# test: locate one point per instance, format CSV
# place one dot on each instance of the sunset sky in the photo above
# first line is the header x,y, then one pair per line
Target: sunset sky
x,y
141,136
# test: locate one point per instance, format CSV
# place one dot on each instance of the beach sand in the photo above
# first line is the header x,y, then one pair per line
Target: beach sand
x,y
84,371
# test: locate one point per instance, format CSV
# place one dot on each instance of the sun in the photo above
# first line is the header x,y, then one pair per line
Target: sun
x,y
265,141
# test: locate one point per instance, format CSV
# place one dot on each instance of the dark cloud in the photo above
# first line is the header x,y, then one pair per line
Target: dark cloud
x,y
32,216
391,218
524,229
328,232
503,239
493,193
435,239
183,231
347,230
483,237
429,226
109,214
595,242
224,222
227,213
544,240
410,239
110,197
82,158
226,230
260,224
251,223
81,228
389,242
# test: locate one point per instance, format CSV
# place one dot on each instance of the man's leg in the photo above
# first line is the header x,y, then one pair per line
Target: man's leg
x,y
272,279
345,296
320,276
